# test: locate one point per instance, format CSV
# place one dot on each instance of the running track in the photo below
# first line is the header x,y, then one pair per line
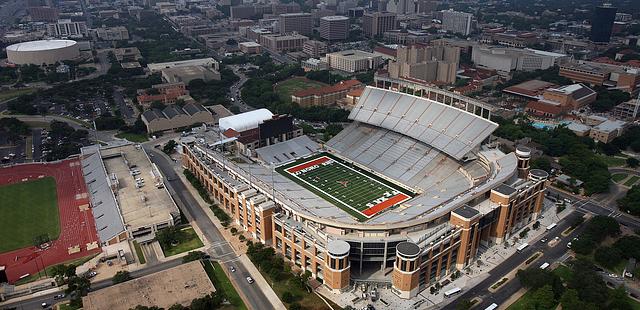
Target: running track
x,y
77,228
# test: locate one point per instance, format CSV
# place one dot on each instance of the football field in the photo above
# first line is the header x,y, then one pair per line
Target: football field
x,y
354,190
27,210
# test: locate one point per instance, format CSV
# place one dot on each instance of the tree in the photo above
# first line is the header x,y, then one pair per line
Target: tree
x,y
607,257
619,299
193,256
571,301
542,163
332,130
76,288
287,297
169,147
535,278
121,276
633,162
542,299
464,304
170,235
628,246
295,306
631,201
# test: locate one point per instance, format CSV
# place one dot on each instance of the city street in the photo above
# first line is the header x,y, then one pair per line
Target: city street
x,y
550,254
222,250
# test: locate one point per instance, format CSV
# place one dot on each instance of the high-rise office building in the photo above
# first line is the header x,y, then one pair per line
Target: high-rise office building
x,y
377,23
296,22
457,22
402,6
602,24
65,28
426,63
334,28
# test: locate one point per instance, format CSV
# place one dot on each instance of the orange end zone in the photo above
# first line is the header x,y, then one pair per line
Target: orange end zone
x,y
385,204
307,164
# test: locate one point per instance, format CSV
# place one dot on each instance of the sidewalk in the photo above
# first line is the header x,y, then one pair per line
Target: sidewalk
x,y
262,283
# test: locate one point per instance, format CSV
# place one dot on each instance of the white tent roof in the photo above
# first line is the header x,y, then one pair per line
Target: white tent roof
x,y
245,121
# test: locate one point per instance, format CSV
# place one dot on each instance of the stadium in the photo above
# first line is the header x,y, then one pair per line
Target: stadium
x,y
48,202
404,195
42,52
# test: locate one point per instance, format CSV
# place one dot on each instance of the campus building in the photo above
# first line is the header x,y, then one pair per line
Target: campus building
x,y
620,77
296,23
441,193
457,22
377,23
173,117
353,61
426,63
283,42
324,96
334,28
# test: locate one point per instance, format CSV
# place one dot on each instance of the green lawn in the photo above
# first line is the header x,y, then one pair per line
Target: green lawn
x,y
618,177
522,303
290,86
139,138
308,300
28,209
344,185
191,242
139,252
14,93
632,180
66,307
612,161
222,284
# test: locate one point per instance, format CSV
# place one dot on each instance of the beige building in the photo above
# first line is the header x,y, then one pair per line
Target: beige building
x,y
112,33
377,23
283,43
188,74
353,61
250,47
608,130
426,63
173,117
314,48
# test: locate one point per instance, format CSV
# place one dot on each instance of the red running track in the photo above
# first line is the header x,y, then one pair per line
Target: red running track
x,y
77,228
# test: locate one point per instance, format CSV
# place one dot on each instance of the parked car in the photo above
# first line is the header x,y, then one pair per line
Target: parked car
x,y
250,280
233,269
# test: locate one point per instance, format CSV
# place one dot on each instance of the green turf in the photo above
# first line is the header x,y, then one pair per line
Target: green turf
x,y
139,253
14,93
632,180
612,161
191,242
290,86
361,187
27,210
619,177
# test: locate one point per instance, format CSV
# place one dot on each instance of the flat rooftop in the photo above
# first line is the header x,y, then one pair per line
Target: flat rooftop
x,y
140,206
178,285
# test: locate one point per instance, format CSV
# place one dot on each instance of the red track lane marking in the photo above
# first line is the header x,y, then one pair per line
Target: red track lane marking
x,y
307,164
385,204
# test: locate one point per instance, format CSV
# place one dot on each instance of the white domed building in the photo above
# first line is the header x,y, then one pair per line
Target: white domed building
x,y
42,52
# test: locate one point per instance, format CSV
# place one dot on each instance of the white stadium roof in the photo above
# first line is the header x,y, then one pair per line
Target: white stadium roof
x,y
40,45
245,121
448,129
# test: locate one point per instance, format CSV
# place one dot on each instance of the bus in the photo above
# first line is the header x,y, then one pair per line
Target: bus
x,y
552,226
522,247
544,266
492,306
452,292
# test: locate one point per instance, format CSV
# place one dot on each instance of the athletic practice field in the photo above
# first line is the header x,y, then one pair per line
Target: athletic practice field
x,y
28,209
354,190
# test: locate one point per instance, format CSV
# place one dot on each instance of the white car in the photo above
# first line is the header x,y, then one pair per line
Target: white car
x,y
250,280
